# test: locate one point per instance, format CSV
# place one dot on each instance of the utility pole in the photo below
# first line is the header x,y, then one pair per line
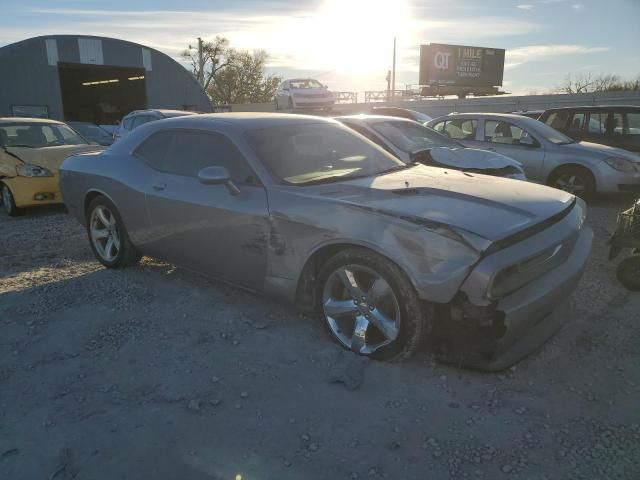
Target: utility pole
x,y
393,74
388,79
200,63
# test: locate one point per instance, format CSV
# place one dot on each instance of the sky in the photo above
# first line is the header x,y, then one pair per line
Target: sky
x,y
348,44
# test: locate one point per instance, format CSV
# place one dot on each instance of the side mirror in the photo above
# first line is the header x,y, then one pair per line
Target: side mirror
x,y
218,176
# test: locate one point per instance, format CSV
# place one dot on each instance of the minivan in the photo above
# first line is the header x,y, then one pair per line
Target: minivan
x,y
613,125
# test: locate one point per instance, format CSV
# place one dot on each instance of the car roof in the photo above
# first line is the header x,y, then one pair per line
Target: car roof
x,y
161,111
13,120
245,120
596,107
363,117
515,118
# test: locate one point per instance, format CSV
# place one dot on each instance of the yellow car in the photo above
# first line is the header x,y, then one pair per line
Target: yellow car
x,y
31,151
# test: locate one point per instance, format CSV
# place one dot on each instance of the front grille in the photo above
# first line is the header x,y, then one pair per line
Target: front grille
x,y
516,276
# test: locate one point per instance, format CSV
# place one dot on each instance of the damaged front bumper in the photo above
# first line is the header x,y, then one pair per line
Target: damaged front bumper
x,y
495,335
31,191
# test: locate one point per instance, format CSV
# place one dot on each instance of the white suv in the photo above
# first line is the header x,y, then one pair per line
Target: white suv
x,y
138,117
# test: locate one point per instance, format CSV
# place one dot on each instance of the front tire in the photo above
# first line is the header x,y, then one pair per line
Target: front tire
x,y
369,305
576,180
628,273
108,236
9,203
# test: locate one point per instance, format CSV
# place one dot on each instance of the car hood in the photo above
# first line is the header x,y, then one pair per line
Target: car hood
x,y
491,207
472,158
48,157
603,151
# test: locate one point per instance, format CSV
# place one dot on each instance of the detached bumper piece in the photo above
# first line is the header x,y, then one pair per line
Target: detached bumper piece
x,y
495,337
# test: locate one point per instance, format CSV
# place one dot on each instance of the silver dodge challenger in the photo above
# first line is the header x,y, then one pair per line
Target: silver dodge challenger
x,y
391,256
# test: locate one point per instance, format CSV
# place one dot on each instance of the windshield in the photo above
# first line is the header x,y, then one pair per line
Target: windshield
x,y
411,137
321,152
309,83
552,135
38,135
89,130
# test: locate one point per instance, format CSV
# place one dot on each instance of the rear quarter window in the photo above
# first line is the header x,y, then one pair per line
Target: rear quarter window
x,y
558,120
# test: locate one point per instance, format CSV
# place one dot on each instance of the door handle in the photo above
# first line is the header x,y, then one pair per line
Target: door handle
x,y
158,187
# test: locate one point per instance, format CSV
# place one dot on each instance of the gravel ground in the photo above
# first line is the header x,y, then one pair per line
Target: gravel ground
x,y
157,373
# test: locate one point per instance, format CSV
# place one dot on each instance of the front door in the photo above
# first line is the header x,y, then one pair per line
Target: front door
x,y
597,127
625,131
205,227
515,142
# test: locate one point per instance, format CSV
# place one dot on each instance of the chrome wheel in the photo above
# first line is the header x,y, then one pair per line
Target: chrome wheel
x,y
104,233
361,308
572,183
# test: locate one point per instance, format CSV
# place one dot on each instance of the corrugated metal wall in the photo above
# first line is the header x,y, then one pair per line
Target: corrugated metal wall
x,y
29,75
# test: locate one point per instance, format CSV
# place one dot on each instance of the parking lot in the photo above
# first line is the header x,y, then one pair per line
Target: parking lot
x,y
156,372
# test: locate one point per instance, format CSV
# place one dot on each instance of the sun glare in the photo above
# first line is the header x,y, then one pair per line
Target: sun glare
x,y
355,36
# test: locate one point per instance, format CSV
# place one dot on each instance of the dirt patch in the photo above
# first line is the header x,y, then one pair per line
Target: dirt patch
x,y
154,372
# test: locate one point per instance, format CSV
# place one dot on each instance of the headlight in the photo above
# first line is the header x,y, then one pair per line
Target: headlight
x,y
621,164
33,171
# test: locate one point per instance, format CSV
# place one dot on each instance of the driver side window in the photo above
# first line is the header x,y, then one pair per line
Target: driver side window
x,y
185,153
504,132
460,129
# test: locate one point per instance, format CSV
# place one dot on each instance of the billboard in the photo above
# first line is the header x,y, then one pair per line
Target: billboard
x,y
458,65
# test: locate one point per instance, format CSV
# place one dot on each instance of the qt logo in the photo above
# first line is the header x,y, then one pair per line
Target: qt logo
x,y
441,60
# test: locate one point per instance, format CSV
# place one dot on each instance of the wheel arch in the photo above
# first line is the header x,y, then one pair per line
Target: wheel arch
x,y
90,196
566,166
305,285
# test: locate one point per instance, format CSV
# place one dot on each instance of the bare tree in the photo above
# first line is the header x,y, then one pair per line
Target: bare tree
x,y
214,59
578,83
587,82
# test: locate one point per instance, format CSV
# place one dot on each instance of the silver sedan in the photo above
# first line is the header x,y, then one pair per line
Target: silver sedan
x,y
410,141
302,208
547,156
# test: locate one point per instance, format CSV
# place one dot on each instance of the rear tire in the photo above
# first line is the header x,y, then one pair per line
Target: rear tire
x,y
628,273
576,180
9,203
108,236
386,323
